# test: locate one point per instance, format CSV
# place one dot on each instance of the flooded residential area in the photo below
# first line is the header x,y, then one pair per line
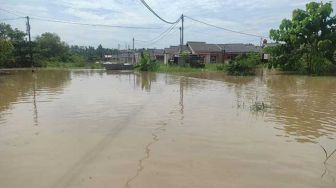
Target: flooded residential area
x,y
167,94
97,128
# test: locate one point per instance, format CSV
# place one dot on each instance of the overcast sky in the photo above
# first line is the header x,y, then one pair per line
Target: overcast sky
x,y
251,16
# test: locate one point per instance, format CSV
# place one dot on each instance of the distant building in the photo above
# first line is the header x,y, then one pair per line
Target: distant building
x,y
220,53
124,56
211,53
172,53
266,57
157,54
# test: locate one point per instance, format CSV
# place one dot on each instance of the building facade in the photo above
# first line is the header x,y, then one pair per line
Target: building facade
x,y
211,53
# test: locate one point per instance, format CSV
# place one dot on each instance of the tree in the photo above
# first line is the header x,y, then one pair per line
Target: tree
x,y
306,42
6,49
49,46
100,51
20,46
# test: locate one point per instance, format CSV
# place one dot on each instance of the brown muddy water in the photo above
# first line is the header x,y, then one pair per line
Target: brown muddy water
x,y
61,129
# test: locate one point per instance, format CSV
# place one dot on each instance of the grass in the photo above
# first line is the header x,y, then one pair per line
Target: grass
x,y
186,69
259,107
72,65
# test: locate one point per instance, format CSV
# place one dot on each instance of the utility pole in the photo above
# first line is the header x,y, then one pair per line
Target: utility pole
x,y
182,32
118,58
181,45
133,59
30,44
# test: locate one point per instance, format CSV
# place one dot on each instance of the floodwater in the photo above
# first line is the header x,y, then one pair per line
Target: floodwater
x,y
71,129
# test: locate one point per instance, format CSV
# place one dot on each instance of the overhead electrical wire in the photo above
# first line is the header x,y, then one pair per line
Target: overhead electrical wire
x,y
160,35
79,23
225,29
10,12
150,9
88,24
163,36
9,19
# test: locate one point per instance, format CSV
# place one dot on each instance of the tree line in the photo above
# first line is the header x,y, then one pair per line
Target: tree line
x,y
48,50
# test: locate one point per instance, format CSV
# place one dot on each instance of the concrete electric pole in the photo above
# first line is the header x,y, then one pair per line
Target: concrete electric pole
x,y
30,43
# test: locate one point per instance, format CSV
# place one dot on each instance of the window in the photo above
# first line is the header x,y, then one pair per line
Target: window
x,y
213,59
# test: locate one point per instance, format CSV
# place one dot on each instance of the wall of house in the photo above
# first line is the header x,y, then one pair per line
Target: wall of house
x,y
159,58
217,58
166,58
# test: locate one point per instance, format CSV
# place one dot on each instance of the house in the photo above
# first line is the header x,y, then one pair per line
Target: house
x,y
265,56
157,54
211,53
233,50
220,53
172,53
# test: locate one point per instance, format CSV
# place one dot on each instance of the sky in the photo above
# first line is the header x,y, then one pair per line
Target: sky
x,y
250,16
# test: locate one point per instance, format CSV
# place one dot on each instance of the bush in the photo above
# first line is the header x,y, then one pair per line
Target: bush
x,y
243,65
146,64
319,65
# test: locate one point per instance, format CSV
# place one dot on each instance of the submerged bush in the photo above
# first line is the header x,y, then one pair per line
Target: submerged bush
x,y
259,106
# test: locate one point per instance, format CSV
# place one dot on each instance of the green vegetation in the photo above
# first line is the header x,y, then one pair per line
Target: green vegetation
x,y
6,50
307,42
14,48
48,49
259,106
243,65
178,69
146,63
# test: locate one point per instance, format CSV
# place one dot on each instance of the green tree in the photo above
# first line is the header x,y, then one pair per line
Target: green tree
x,y
6,49
20,46
49,46
100,51
146,63
307,41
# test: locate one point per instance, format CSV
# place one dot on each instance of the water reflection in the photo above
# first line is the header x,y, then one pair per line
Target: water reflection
x,y
35,116
305,106
183,84
23,86
112,119
145,80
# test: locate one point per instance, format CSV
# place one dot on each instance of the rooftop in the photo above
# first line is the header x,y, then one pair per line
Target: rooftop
x,y
202,47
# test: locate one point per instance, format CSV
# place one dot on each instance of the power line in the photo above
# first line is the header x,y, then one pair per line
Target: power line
x,y
10,12
88,24
150,9
9,19
78,23
229,30
159,36
163,36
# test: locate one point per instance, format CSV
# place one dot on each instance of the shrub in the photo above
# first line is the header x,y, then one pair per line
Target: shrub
x,y
146,64
243,65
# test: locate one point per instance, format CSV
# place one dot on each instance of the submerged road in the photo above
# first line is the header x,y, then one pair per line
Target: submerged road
x,y
71,129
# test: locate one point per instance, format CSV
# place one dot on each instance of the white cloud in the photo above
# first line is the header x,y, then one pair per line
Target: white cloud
x,y
252,16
